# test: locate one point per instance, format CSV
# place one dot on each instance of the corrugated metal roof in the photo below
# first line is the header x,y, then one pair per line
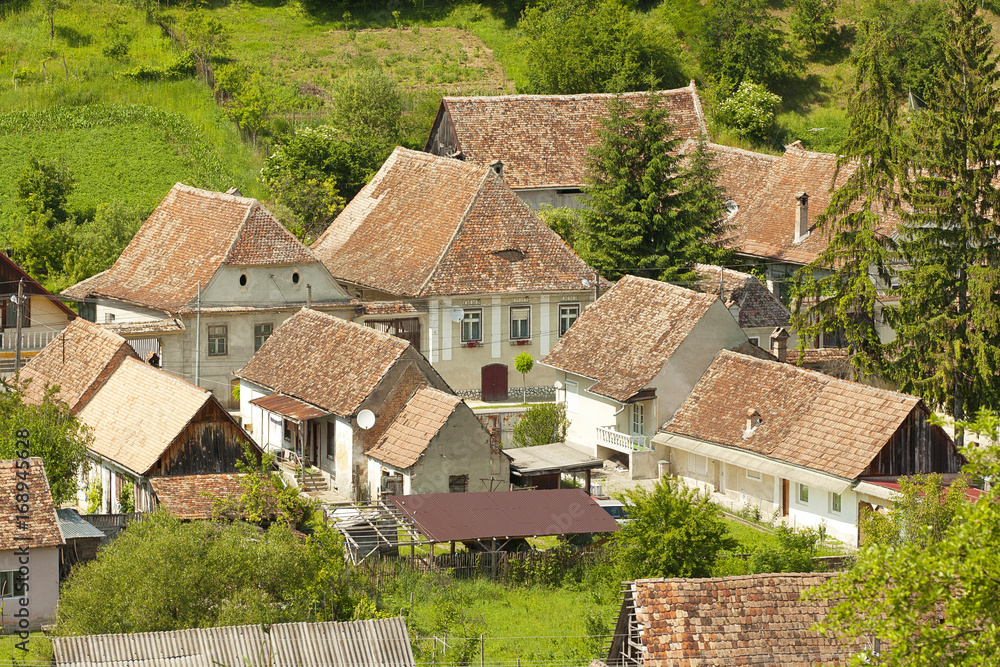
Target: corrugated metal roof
x,y
444,517
289,407
378,643
74,527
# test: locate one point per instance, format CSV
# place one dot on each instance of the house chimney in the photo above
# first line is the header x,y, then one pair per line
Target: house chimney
x,y
753,420
801,217
498,168
779,338
234,191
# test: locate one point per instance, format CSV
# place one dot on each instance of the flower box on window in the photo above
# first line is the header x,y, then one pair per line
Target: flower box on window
x,y
473,343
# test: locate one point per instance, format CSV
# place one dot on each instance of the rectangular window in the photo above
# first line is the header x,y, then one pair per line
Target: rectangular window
x,y
568,313
835,503
572,397
331,439
697,464
803,493
218,341
472,326
7,584
637,419
458,483
261,332
520,322
753,474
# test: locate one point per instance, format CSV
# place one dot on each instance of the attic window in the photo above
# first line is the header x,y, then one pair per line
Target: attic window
x,y
243,280
295,277
511,254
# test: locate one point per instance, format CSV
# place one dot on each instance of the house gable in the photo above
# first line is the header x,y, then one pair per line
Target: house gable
x,y
212,442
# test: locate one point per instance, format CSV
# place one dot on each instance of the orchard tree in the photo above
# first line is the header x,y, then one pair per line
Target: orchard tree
x,y
597,46
649,214
55,436
812,20
368,101
673,532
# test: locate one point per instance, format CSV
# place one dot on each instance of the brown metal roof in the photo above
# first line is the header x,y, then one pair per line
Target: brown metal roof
x,y
289,407
446,517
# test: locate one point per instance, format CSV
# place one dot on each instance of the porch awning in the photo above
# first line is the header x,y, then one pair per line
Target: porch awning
x,y
289,407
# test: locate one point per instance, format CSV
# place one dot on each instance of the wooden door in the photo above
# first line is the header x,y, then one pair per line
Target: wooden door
x,y
494,382
784,497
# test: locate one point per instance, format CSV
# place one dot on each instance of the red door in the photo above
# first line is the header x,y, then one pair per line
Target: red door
x,y
494,379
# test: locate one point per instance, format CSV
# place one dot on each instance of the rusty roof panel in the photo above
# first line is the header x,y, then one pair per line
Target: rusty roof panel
x,y
289,407
446,517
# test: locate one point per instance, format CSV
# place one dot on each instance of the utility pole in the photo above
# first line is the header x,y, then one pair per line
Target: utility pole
x,y
17,339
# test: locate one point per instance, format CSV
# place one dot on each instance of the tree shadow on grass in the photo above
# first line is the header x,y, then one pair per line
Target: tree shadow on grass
x,y
73,37
837,47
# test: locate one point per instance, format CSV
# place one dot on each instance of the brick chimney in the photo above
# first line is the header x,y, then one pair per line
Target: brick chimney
x,y
779,344
801,217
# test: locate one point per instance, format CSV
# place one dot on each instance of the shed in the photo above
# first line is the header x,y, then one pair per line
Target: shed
x,y
375,643
542,466
82,541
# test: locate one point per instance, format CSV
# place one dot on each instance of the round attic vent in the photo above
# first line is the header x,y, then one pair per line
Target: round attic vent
x,y
243,280
295,277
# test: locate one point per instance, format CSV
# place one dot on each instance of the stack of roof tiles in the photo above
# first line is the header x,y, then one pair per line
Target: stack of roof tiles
x,y
427,225
809,418
420,420
746,620
624,353
190,235
544,140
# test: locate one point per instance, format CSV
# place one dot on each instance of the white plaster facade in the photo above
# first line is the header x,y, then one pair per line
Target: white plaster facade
x,y
43,593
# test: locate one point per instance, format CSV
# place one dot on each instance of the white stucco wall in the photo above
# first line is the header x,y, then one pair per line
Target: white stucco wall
x,y
535,197
43,588
271,285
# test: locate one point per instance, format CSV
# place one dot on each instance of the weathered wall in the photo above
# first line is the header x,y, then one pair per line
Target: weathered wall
x,y
211,443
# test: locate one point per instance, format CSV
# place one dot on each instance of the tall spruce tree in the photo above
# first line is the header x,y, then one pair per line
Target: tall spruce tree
x,y
948,321
649,215
861,247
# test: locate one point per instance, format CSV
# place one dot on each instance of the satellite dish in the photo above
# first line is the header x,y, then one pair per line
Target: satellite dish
x,y
456,314
558,385
586,283
13,298
366,419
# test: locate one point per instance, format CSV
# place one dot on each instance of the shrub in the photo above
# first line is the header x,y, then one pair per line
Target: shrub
x,y
541,425
749,111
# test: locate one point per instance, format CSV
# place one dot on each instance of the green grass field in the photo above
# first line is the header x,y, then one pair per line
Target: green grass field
x,y
39,651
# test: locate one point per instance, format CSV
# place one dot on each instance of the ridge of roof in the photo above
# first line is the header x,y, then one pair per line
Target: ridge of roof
x,y
577,96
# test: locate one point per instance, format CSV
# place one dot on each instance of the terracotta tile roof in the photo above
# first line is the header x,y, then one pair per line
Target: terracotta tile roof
x,y
758,307
11,274
624,338
193,496
190,235
746,620
543,140
809,419
324,360
139,412
818,355
42,525
764,226
423,416
741,172
78,360
427,225
165,326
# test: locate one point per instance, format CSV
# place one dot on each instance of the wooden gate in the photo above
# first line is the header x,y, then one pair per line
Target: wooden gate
x,y
494,380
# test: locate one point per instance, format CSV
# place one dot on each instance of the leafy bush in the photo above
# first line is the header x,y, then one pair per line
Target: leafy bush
x,y
95,496
541,424
749,111
126,499
118,48
368,101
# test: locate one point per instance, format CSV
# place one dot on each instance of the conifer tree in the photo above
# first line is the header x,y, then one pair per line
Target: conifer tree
x,y
948,321
649,215
861,247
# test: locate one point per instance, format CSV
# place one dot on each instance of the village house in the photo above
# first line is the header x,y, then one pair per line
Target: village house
x,y
631,360
446,255
799,445
144,421
42,316
541,143
366,409
757,619
203,283
36,529
755,308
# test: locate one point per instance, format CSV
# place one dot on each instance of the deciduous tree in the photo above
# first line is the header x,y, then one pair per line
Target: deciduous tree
x,y
541,424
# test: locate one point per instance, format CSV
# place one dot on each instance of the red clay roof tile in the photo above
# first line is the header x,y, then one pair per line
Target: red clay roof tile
x,y
423,416
42,525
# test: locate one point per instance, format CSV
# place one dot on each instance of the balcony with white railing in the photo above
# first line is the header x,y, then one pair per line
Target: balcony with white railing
x,y
608,437
30,340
